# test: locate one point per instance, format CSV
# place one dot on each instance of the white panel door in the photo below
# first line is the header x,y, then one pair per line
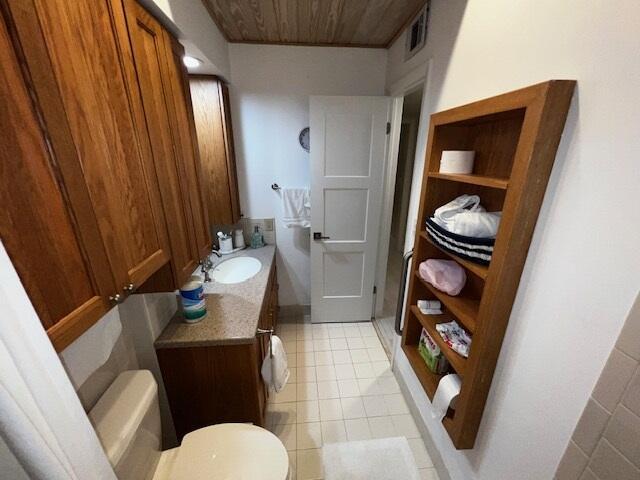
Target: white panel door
x,y
348,149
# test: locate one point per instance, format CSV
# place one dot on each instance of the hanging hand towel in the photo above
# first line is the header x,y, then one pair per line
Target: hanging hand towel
x,y
296,205
275,370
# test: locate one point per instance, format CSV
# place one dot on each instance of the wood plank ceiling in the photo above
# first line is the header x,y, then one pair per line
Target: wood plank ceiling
x,y
362,23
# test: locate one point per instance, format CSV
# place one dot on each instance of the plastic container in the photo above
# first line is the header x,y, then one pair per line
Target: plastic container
x,y
238,238
194,305
257,240
226,244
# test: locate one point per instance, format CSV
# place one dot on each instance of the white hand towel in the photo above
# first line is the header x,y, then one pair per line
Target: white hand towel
x,y
465,216
464,203
296,206
275,371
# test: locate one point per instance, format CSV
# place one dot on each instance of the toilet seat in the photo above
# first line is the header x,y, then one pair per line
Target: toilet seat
x,y
231,451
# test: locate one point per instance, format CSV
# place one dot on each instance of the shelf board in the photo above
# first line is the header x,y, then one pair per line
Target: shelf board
x,y
464,309
480,270
428,379
493,182
457,361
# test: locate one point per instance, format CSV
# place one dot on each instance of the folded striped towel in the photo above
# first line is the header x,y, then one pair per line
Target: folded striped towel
x,y
478,250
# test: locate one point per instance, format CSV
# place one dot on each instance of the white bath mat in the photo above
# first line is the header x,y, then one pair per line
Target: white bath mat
x,y
382,459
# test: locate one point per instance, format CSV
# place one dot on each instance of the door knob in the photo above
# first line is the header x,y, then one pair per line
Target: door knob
x,y
319,236
117,298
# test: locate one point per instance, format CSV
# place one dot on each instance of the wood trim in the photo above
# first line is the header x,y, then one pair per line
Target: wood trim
x,y
302,44
141,272
472,179
63,333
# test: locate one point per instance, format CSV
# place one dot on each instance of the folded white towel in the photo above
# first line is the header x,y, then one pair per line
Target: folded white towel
x,y
463,203
465,216
275,371
296,206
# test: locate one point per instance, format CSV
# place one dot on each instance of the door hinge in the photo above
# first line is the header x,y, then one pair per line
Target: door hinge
x,y
375,289
388,128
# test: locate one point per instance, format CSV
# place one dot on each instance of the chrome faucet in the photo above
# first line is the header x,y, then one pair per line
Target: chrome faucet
x,y
207,264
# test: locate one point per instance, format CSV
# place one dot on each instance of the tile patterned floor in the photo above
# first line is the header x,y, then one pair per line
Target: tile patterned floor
x,y
341,389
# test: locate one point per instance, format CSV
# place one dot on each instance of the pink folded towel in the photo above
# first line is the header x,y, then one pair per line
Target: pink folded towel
x,y
445,275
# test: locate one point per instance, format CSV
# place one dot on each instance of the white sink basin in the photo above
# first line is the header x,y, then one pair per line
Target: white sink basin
x,y
236,270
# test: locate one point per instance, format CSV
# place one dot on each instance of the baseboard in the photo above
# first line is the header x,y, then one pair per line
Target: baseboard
x,y
434,453
288,312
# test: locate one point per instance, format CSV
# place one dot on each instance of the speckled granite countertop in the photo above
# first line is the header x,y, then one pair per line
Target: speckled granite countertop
x,y
233,310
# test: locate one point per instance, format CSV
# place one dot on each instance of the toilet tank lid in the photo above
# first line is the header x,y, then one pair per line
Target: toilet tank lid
x,y
120,411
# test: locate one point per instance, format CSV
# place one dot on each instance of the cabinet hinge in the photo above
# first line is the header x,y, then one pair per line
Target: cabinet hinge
x,y
388,128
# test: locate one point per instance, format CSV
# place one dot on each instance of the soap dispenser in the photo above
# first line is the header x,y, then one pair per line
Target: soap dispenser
x,y
257,240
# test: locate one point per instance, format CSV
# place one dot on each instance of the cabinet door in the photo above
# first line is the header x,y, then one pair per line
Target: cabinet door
x,y
274,298
215,144
68,291
149,53
75,40
234,194
186,141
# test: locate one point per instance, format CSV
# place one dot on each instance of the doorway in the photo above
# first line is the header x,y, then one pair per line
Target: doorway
x,y
385,323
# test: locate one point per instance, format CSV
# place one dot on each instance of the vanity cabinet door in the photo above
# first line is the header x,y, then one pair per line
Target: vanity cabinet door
x,y
71,49
212,115
186,141
68,290
148,44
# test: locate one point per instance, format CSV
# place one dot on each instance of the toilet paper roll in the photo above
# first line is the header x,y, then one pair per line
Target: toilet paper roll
x,y
457,161
447,391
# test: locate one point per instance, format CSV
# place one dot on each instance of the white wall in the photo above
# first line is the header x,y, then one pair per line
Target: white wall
x,y
270,89
122,340
581,275
191,22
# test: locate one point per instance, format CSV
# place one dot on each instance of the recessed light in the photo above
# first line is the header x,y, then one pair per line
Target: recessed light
x,y
191,62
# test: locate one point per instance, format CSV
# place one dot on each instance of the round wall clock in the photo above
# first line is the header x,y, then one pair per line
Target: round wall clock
x,y
303,138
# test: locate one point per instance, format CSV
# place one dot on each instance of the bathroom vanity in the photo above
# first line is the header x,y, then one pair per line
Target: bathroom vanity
x,y
211,369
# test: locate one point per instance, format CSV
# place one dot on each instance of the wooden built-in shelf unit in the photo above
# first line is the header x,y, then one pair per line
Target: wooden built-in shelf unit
x,y
515,137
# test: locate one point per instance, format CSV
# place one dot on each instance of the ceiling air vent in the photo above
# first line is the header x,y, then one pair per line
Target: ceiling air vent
x,y
417,33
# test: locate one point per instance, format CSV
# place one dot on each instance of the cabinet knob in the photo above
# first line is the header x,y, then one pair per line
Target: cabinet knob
x,y
117,298
129,288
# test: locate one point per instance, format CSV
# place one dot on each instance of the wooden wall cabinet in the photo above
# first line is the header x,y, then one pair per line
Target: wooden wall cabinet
x,y
515,137
99,171
41,235
212,114
222,383
185,129
168,135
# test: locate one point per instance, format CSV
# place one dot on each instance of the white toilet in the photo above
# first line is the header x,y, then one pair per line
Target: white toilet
x,y
127,421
